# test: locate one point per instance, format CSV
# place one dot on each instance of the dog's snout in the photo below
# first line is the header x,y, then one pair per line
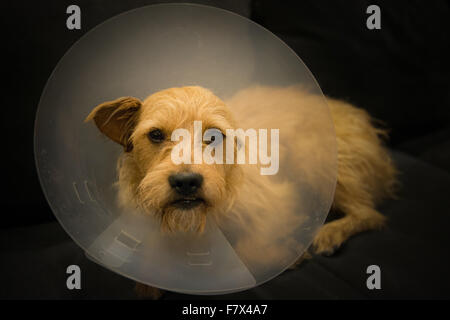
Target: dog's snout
x,y
186,183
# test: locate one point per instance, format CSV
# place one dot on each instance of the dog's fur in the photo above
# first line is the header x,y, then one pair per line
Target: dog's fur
x,y
365,173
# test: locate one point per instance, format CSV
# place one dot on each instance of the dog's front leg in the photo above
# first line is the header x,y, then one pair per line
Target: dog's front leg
x,y
305,256
357,219
144,291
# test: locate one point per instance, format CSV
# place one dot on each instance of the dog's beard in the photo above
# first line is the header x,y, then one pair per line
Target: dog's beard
x,y
157,199
155,196
175,219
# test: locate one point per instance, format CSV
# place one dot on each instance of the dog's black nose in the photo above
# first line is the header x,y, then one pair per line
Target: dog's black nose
x,y
186,183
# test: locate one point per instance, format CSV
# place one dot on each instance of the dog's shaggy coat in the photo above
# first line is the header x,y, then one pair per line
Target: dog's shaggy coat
x,y
365,173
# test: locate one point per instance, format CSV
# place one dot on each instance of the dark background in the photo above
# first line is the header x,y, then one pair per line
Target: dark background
x,y
400,74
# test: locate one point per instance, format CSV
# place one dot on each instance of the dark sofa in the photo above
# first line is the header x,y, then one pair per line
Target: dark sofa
x,y
399,74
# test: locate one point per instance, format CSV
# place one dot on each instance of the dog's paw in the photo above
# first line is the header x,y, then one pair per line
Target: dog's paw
x,y
328,240
147,292
305,256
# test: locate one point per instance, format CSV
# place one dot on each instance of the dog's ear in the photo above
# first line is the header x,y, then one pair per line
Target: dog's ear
x,y
117,119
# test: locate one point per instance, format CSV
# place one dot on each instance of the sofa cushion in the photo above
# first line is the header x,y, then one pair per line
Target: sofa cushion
x,y
412,253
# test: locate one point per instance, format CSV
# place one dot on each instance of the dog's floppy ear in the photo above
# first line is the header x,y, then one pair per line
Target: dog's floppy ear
x,y
116,119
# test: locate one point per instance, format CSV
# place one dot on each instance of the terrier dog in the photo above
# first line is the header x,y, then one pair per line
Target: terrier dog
x,y
182,196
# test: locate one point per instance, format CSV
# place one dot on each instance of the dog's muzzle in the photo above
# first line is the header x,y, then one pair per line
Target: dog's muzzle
x,y
186,186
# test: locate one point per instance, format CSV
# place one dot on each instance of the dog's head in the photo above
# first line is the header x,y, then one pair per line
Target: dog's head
x,y
181,195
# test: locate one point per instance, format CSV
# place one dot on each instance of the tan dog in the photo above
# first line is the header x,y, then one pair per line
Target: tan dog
x,y
183,196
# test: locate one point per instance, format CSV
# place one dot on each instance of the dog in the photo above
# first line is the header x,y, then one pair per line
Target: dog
x,y
183,196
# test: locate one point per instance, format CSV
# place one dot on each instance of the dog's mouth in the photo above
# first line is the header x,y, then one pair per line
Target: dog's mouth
x,y
187,203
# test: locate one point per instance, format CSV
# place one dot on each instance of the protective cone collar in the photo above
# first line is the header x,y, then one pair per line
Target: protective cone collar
x,y
144,51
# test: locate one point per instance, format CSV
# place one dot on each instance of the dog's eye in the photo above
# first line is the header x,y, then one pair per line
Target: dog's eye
x,y
156,136
211,135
